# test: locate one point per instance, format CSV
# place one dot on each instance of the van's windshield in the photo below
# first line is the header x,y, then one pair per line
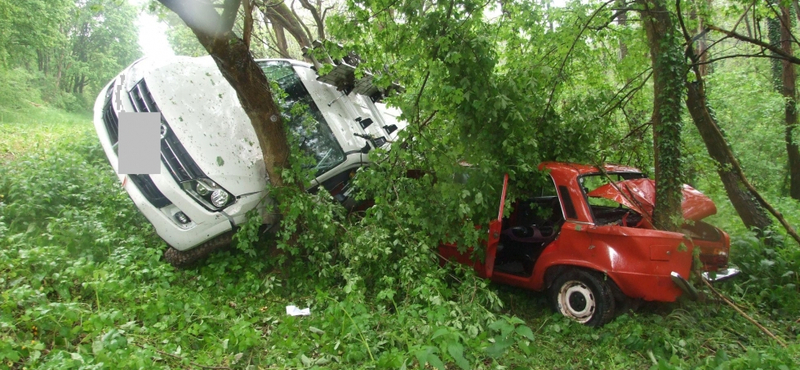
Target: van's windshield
x,y
303,117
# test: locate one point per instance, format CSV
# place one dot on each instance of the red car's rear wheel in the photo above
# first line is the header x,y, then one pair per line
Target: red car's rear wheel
x,y
583,296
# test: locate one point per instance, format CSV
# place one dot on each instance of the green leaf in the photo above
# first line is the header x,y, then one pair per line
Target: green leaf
x,y
435,361
456,350
524,331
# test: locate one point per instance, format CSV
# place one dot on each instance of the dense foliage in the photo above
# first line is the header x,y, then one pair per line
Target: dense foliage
x,y
57,50
84,285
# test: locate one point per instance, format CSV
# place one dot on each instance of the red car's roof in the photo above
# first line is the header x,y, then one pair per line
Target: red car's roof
x,y
581,169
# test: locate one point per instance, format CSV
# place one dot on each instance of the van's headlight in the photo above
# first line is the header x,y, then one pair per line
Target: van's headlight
x,y
208,193
219,198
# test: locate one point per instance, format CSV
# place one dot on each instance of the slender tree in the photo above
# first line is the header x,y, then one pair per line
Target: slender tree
x,y
744,201
788,90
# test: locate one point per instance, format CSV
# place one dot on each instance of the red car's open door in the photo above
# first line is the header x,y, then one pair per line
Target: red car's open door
x,y
495,227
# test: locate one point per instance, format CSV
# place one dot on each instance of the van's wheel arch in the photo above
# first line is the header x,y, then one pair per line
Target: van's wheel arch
x,y
183,259
582,295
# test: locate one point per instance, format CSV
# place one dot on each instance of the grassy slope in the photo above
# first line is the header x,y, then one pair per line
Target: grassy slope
x,y
83,284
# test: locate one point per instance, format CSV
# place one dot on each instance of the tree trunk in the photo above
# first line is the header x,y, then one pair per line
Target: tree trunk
x,y
774,36
319,19
701,50
746,205
280,37
622,20
214,31
788,84
281,14
668,81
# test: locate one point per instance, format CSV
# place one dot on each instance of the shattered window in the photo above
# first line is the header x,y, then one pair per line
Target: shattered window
x,y
302,116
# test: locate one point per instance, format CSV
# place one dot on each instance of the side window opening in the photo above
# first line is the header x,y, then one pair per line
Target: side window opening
x,y
534,223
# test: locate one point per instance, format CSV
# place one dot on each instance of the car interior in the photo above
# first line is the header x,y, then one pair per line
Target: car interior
x,y
533,224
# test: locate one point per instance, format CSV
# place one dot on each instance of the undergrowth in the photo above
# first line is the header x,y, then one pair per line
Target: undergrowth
x,y
84,285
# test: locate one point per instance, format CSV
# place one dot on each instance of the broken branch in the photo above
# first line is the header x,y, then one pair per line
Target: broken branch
x,y
739,310
764,45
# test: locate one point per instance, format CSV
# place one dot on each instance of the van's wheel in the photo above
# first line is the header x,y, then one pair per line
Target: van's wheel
x,y
583,296
182,259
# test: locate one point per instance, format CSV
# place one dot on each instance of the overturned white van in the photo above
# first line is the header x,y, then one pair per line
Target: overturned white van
x,y
212,171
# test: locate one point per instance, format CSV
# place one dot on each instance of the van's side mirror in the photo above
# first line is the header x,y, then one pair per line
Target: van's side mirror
x,y
366,148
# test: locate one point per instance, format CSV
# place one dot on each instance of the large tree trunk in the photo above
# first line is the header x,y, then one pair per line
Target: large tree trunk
x,y
751,213
788,82
232,56
667,59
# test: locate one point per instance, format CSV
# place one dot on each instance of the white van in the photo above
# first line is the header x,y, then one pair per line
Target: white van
x,y
212,171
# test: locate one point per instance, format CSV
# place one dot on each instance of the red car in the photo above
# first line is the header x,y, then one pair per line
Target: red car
x,y
590,242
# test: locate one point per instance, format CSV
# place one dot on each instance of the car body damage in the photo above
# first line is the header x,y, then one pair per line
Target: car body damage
x,y
640,195
587,236
212,172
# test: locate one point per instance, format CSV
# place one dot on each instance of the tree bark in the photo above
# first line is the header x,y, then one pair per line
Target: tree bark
x,y
701,50
788,89
622,20
232,56
247,27
667,60
279,12
319,19
280,37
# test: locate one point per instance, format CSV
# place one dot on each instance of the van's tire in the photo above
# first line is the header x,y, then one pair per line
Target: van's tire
x,y
583,296
183,259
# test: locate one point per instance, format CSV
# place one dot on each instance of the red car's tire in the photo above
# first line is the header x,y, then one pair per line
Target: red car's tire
x,y
583,296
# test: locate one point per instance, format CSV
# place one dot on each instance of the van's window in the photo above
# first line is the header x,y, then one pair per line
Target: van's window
x,y
302,116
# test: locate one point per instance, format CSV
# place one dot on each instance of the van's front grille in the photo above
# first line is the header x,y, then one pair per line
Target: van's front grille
x,y
111,121
181,166
143,182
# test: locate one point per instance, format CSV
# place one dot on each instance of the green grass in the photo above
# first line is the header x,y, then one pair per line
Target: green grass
x,y
24,131
83,285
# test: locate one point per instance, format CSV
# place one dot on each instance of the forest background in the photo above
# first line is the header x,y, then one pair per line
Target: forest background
x,y
501,85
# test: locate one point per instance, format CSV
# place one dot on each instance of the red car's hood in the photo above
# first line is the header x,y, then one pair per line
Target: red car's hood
x,y
696,206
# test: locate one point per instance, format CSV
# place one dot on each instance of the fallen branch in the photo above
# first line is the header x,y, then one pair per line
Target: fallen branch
x,y
746,316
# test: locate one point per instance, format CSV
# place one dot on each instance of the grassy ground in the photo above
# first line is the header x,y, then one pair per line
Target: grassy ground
x,y
84,286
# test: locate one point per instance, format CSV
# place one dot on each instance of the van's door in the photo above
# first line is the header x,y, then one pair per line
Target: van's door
x,y
495,227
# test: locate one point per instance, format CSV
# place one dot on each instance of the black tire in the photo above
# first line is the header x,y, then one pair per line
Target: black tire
x,y
183,259
583,296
